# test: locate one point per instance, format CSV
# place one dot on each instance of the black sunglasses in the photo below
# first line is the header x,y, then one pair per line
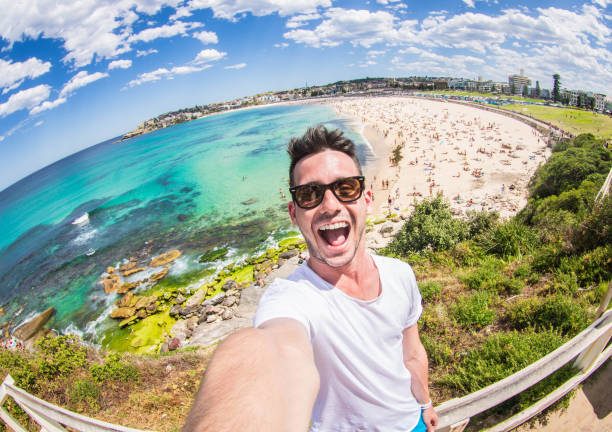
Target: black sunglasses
x,y
310,195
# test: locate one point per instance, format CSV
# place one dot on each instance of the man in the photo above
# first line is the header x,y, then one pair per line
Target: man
x,y
335,345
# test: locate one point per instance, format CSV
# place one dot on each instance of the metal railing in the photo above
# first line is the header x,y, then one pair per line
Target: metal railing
x,y
588,348
50,417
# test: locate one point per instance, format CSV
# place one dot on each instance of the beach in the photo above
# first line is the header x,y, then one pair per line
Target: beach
x,y
479,160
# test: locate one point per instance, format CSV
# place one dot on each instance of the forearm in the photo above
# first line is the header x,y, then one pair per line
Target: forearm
x,y
254,383
418,366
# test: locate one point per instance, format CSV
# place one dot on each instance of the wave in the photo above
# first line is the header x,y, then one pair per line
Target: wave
x,y
81,220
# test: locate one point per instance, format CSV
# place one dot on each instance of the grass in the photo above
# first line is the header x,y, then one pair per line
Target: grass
x,y
571,120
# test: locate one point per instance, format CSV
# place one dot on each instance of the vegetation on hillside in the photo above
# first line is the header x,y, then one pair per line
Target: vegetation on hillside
x,y
498,295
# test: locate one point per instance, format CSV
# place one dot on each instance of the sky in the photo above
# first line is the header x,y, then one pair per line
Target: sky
x,y
75,73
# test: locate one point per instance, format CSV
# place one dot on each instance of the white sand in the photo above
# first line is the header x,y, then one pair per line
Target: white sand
x,y
466,153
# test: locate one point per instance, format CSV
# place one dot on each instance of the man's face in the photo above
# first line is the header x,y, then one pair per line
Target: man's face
x,y
333,230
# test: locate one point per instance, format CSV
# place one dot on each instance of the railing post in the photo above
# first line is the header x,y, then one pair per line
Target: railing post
x,y
587,357
605,301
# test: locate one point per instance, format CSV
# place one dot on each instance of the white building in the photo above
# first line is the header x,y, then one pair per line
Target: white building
x,y
600,102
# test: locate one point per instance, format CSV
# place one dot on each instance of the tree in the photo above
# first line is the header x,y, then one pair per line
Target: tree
x,y
538,91
525,91
556,87
512,88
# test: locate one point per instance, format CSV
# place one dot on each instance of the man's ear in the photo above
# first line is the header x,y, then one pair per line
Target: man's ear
x,y
369,202
291,209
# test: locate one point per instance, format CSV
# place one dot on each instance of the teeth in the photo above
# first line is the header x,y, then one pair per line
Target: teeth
x,y
333,226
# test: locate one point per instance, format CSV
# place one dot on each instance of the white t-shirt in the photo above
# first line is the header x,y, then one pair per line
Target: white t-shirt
x,y
357,346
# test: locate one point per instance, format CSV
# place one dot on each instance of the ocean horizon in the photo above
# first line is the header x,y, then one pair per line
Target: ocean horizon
x,y
219,181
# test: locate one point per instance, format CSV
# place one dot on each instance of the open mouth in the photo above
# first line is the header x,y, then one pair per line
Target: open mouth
x,y
335,234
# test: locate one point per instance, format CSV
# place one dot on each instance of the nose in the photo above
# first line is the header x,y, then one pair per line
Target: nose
x,y
330,204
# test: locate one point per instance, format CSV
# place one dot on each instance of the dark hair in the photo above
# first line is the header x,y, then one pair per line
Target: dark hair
x,y
318,139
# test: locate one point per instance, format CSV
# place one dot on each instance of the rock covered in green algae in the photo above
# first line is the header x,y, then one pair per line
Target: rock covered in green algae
x,y
214,255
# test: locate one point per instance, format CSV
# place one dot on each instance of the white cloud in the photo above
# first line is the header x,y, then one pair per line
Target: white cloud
x,y
359,27
25,99
165,31
367,63
47,105
12,74
375,53
469,3
120,64
38,123
384,2
81,79
206,37
301,20
281,45
208,55
236,66
88,29
229,9
162,73
142,53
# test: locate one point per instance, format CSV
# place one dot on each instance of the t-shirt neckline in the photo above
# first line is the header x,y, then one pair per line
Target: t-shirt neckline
x,y
333,288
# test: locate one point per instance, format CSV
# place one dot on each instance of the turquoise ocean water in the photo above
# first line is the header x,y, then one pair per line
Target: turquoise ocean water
x,y
181,187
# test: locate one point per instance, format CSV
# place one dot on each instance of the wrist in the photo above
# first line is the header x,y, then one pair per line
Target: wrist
x,y
426,405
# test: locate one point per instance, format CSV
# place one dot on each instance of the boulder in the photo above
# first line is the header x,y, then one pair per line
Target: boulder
x,y
126,300
174,310
159,275
165,258
110,283
386,228
180,299
151,308
144,302
142,313
128,321
230,284
123,312
125,287
174,344
128,266
182,217
132,271
110,270
212,319
188,311
289,254
227,314
215,300
30,328
229,301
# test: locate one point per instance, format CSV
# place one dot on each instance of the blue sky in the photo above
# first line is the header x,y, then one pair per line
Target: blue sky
x,y
73,74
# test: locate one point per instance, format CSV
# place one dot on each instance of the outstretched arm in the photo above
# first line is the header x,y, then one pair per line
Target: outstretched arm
x,y
415,359
259,379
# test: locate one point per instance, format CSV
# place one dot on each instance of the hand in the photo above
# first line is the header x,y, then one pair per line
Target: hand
x,y
430,418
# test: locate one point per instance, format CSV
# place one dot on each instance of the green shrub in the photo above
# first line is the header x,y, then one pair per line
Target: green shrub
x,y
85,392
501,355
596,230
113,369
511,239
559,312
480,222
522,271
564,283
547,257
430,290
486,276
60,355
430,226
472,311
466,253
438,353
591,267
565,170
20,368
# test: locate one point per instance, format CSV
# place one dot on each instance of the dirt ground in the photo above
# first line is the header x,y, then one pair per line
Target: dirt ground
x,y
590,409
